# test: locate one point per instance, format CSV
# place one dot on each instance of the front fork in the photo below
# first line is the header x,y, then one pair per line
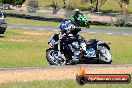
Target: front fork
x,y
59,51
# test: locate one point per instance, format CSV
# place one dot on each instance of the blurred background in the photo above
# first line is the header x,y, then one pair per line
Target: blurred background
x,y
111,12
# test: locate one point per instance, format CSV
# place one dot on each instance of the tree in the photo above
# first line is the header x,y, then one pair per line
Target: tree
x,y
123,5
1,1
33,6
64,2
54,4
7,1
13,2
97,4
17,2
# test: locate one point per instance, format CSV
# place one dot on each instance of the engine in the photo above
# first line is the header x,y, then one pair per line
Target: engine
x,y
90,52
75,48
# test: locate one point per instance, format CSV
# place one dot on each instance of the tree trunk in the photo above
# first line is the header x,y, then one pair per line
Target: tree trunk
x,y
96,8
54,4
64,2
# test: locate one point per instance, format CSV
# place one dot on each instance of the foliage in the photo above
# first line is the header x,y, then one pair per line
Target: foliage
x,y
13,2
123,5
54,4
96,4
33,6
18,2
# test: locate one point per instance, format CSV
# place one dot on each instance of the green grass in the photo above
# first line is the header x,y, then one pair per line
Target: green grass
x,y
111,5
20,21
22,47
60,84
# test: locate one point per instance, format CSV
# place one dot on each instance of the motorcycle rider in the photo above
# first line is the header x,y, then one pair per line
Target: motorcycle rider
x,y
76,15
66,28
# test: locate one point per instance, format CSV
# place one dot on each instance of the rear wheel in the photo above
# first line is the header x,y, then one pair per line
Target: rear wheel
x,y
53,58
104,55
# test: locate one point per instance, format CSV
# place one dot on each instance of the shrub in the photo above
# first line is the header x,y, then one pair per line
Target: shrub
x,y
33,6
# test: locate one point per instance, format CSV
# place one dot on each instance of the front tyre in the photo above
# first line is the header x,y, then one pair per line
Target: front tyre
x,y
87,25
2,30
53,58
105,56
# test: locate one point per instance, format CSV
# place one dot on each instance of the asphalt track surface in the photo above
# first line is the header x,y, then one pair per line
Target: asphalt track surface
x,y
68,66
90,30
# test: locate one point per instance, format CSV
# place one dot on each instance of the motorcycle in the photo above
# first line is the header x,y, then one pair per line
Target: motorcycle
x,y
64,48
3,24
82,21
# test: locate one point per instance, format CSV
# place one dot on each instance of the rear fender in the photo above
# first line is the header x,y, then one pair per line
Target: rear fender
x,y
101,43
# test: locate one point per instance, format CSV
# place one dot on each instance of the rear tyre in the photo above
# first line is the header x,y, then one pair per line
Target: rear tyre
x,y
53,58
105,56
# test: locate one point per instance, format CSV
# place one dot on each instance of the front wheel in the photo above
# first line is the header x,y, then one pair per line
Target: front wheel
x,y
2,30
105,56
87,25
53,58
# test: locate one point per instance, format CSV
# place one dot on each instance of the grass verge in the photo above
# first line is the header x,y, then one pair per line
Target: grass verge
x,y
20,21
61,84
23,48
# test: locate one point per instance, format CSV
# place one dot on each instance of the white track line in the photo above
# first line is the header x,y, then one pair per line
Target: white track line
x,y
109,33
125,34
68,66
55,30
92,32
